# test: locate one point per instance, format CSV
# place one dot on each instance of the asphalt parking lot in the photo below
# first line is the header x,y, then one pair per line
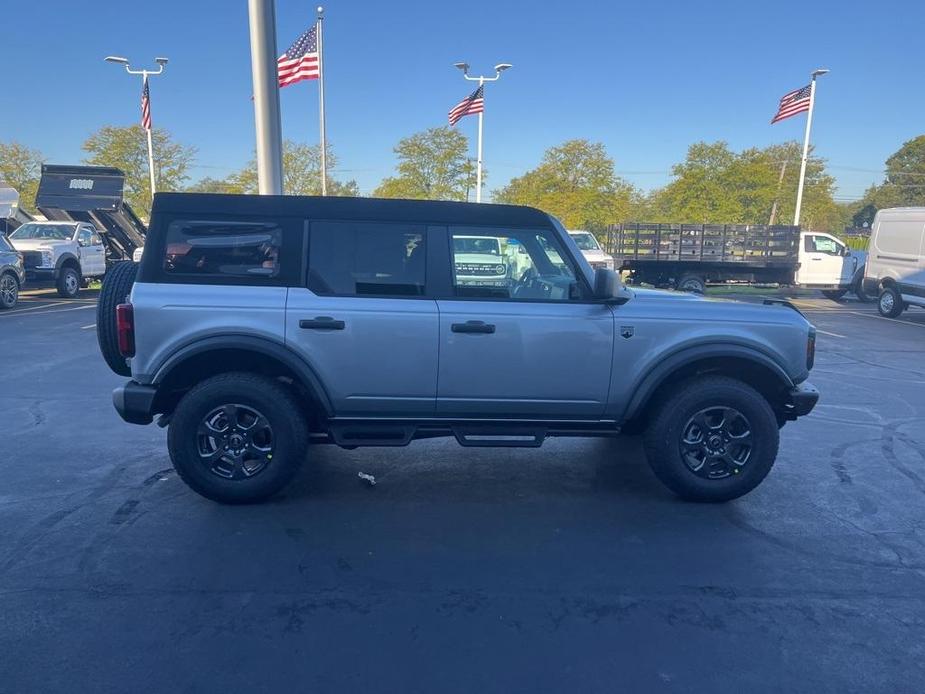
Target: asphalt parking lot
x,y
567,568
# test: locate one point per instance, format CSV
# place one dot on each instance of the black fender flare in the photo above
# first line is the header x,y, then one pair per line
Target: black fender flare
x,y
62,259
248,343
667,365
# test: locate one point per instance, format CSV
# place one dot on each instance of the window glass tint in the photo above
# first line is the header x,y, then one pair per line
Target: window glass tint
x,y
223,248
821,244
372,259
515,264
84,237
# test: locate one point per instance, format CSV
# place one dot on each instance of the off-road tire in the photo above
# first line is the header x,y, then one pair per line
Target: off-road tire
x,y
890,302
68,282
274,401
662,440
9,290
117,284
834,294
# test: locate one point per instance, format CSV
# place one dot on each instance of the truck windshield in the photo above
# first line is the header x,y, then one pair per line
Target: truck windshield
x,y
476,244
53,232
585,241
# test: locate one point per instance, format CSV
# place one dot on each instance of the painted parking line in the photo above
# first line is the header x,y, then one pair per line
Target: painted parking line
x,y
87,327
826,332
33,308
45,313
892,320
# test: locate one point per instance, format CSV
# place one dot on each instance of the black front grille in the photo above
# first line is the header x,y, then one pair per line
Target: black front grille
x,y
31,259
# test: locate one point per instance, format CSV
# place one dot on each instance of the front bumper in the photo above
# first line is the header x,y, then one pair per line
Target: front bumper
x,y
135,402
40,273
800,401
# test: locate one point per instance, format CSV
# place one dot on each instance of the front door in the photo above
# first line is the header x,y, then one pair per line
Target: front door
x,y
365,321
823,262
92,252
518,335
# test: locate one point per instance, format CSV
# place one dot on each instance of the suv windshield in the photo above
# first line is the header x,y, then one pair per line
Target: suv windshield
x,y
585,241
53,232
477,244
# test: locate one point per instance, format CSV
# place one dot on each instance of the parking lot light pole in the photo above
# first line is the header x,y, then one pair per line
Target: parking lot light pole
x,y
809,125
499,68
145,74
265,75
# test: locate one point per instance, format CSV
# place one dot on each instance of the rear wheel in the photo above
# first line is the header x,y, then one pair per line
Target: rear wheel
x,y
117,284
714,439
691,283
9,290
237,438
68,283
890,303
862,296
834,294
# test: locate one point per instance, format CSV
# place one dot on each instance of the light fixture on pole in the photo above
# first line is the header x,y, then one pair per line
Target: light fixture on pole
x,y
809,125
499,68
146,119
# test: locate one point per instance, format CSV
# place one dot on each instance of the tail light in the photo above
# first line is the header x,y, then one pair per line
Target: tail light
x,y
811,348
125,329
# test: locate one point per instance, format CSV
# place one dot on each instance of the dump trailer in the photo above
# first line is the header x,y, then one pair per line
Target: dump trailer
x,y
11,214
92,194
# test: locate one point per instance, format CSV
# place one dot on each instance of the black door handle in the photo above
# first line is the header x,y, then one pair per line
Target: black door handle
x,y
321,323
472,326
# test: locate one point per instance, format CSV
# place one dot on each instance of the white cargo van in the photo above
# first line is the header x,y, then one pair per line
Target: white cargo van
x,y
896,260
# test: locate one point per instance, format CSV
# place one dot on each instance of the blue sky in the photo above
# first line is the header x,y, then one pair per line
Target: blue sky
x,y
645,78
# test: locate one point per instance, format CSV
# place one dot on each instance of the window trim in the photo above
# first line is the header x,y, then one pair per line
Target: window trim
x,y
449,293
412,224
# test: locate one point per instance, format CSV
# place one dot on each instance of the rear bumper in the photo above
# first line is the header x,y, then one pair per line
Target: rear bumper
x,y
800,401
134,402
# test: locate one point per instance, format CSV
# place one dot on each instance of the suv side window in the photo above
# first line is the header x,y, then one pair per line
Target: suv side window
x,y
221,248
366,259
518,264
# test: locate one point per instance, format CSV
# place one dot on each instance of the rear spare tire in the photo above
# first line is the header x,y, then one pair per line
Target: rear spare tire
x,y
116,287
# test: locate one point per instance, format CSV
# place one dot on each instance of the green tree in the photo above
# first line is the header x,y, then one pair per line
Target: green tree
x,y
432,165
904,183
301,173
126,148
214,185
21,168
576,182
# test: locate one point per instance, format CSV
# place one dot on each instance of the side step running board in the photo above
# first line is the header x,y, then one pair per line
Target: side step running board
x,y
492,437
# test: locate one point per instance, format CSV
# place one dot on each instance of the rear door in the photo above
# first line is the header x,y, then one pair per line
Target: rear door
x,y
364,319
528,345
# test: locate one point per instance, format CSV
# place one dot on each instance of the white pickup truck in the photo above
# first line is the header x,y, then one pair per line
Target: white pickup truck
x,y
67,253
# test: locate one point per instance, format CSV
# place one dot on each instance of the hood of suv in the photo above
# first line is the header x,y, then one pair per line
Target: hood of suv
x,y
695,307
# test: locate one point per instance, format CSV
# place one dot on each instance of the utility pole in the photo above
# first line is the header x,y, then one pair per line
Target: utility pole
x,y
262,17
780,181
499,68
809,125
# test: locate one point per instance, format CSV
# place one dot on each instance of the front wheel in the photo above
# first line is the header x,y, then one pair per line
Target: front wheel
x,y
714,439
9,290
890,303
68,283
237,438
834,294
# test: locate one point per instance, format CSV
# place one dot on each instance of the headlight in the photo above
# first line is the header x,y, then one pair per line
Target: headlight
x,y
48,258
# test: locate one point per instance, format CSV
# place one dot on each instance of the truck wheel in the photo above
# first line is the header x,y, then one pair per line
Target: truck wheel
x,y
890,303
691,283
237,438
116,287
714,439
9,290
68,283
834,294
862,296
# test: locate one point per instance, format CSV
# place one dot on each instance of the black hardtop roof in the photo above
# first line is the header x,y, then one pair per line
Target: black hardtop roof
x,y
332,208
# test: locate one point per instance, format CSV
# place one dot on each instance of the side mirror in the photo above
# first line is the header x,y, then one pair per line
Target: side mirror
x,y
606,284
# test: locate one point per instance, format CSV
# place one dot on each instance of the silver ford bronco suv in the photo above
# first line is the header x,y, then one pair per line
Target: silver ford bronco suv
x,y
260,326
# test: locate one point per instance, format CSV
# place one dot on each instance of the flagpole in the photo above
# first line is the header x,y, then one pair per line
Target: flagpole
x,y
809,125
478,169
150,142
324,139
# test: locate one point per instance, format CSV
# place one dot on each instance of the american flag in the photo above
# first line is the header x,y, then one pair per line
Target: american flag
x,y
472,104
793,103
300,62
145,106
